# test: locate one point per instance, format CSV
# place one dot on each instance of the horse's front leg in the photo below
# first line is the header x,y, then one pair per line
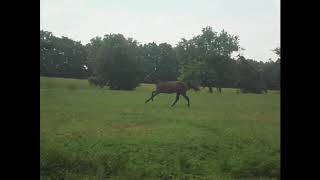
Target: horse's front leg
x,y
187,98
177,98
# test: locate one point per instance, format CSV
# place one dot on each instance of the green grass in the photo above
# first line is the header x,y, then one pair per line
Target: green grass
x,y
92,133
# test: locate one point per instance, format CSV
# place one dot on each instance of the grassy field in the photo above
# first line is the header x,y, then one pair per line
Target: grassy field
x,y
92,133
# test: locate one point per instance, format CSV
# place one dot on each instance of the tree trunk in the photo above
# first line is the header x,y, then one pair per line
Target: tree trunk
x,y
210,89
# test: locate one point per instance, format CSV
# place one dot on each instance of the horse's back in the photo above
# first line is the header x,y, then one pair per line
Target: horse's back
x,y
171,87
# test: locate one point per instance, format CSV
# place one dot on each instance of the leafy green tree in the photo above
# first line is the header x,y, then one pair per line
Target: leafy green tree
x,y
62,57
271,72
122,63
159,62
115,62
149,56
46,53
92,51
207,58
250,76
73,58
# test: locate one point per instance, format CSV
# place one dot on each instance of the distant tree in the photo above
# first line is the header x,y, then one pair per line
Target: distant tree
x,y
250,76
47,53
271,72
122,63
73,58
62,57
277,51
115,62
207,58
167,65
149,56
92,49
159,62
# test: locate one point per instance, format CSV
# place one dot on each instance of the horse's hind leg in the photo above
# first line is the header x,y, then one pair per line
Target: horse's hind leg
x,y
153,94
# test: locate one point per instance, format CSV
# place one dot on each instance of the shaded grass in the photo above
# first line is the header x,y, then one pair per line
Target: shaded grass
x,y
96,133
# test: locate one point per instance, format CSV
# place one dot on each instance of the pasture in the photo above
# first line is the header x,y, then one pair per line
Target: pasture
x,y
92,133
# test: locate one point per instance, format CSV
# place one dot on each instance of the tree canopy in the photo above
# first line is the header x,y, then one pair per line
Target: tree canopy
x,y
115,59
207,58
159,62
122,63
62,57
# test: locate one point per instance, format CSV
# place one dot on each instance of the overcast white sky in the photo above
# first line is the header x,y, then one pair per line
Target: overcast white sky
x,y
256,22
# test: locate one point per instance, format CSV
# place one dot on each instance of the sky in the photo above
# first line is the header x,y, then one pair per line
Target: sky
x,y
256,22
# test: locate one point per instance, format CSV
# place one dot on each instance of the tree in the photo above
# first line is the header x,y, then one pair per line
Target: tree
x,y
149,55
159,62
92,51
73,58
207,58
277,51
250,76
62,57
47,66
271,72
122,63
115,62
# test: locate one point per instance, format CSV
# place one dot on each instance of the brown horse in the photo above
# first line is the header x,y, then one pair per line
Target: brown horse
x,y
178,87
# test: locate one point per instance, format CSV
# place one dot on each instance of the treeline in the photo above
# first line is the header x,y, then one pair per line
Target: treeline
x,y
123,63
62,57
